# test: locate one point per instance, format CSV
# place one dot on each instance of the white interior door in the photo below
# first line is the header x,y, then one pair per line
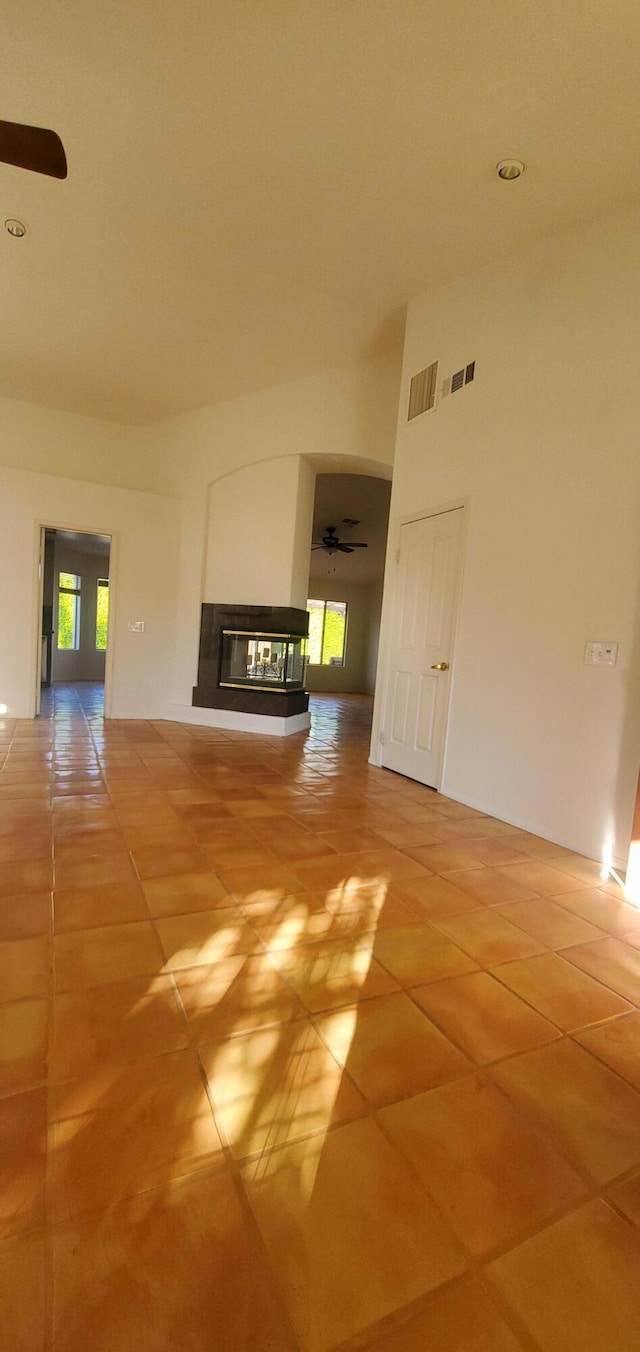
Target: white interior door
x,y
419,675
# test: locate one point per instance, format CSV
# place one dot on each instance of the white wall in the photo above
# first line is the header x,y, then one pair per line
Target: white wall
x,y
49,441
259,534
544,444
84,663
144,565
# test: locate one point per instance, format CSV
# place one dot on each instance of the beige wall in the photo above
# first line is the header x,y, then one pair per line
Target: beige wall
x,y
544,445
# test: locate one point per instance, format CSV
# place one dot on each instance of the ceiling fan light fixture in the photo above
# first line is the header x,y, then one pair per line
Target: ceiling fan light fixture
x,y
17,229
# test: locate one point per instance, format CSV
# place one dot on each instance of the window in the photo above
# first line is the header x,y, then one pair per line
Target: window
x,y
327,633
68,611
102,614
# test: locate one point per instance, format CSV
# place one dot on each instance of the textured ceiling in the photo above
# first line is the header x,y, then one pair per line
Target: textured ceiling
x,y
256,187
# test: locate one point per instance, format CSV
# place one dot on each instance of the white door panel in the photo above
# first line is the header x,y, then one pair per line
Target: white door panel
x,y
418,698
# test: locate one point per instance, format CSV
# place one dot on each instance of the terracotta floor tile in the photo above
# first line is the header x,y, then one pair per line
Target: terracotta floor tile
x,y
206,937
353,841
94,871
235,995
390,1049
251,808
462,1320
305,925
487,936
587,871
378,909
617,1043
154,862
24,1039
494,852
308,846
550,924
91,907
594,1116
603,910
559,991
484,1018
310,1200
415,954
575,1286
112,1024
328,975
23,1147
225,854
92,843
441,858
276,1084
541,877
433,896
615,963
247,884
191,1254
406,834
25,915
26,968
626,1197
28,875
86,958
492,886
127,1129
23,1287
25,845
184,893
491,1174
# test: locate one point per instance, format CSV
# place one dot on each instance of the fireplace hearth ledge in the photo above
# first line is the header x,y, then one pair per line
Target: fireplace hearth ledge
x,y
236,721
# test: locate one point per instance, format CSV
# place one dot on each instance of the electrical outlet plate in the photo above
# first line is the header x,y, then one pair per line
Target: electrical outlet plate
x,y
136,626
600,654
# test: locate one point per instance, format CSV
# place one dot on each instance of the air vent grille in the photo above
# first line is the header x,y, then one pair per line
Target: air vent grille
x,y
451,384
422,394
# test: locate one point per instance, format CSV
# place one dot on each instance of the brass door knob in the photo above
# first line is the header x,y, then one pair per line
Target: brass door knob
x,y
440,666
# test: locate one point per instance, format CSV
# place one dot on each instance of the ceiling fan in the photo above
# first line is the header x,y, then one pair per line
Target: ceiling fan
x,y
332,544
34,148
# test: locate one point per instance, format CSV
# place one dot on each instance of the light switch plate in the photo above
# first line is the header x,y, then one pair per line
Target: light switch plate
x,y
136,626
599,654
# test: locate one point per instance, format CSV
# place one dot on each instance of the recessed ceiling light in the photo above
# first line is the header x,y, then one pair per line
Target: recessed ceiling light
x,y
16,228
509,169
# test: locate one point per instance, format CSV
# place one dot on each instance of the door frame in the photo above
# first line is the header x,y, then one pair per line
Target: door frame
x,y
394,553
37,591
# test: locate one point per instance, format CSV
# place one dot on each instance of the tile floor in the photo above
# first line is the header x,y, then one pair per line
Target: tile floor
x,y
298,1054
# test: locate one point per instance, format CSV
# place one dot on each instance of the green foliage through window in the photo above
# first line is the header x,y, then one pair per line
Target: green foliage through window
x,y
102,614
327,633
68,612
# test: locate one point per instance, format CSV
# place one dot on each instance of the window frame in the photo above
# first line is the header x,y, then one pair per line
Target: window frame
x,y
102,582
76,593
317,601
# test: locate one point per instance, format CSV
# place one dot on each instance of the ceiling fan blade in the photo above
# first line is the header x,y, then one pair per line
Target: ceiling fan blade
x,y
354,544
34,148
345,549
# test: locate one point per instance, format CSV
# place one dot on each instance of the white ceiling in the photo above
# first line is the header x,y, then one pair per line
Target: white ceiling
x,y
257,186
356,497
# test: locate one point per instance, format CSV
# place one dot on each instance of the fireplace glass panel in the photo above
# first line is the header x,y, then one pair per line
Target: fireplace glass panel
x,y
262,661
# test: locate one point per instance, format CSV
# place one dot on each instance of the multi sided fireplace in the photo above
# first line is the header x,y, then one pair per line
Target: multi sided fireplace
x,y
261,661
252,659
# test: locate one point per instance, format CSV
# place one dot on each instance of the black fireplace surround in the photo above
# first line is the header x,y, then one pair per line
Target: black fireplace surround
x,y
272,681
